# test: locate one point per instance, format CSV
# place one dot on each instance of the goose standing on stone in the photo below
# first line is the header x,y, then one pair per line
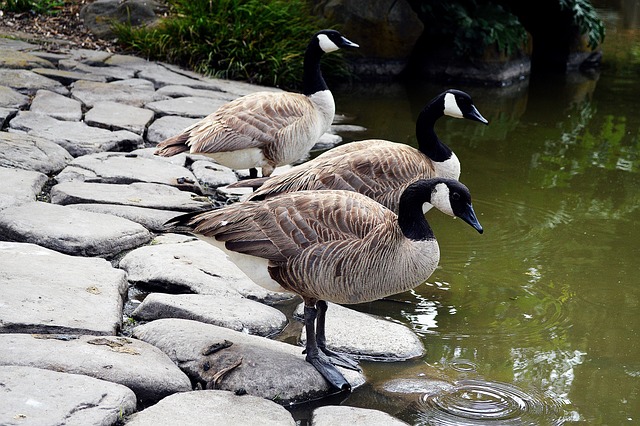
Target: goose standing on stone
x,y
377,168
336,246
266,129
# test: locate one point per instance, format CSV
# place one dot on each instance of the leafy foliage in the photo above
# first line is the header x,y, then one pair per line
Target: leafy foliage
x,y
473,25
36,6
261,41
587,20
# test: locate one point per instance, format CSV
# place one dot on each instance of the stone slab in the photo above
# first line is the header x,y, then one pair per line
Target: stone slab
x,y
16,59
76,137
109,73
141,367
161,75
331,415
376,339
19,186
121,168
213,175
176,91
153,219
58,293
23,151
135,92
5,115
27,82
213,408
34,397
16,45
236,313
149,195
229,360
10,98
56,106
191,106
167,126
71,231
118,116
67,77
192,267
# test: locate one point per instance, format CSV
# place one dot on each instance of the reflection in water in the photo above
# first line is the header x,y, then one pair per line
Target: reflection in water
x,y
479,402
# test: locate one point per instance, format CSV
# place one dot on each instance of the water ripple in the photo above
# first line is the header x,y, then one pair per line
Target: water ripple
x,y
479,402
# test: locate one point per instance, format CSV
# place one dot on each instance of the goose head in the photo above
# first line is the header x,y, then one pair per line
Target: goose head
x,y
447,195
458,104
331,40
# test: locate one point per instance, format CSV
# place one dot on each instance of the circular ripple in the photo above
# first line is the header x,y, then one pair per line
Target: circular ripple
x,y
476,402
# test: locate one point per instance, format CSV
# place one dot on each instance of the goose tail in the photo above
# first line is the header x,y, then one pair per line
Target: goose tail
x,y
173,146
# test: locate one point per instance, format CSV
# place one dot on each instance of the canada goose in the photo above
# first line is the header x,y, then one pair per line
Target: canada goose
x,y
337,246
377,168
266,129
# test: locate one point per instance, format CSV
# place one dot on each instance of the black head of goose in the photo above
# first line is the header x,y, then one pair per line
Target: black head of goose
x,y
266,129
377,168
337,246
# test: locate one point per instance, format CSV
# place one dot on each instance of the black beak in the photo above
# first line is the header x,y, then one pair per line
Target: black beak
x,y
348,43
476,116
469,216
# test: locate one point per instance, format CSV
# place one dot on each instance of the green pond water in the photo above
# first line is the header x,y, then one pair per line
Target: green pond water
x,y
537,321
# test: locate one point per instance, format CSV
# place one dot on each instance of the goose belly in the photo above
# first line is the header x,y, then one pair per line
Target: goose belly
x,y
363,277
240,159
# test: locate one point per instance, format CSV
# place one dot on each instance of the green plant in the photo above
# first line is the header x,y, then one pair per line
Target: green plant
x,y
261,41
473,25
587,20
37,6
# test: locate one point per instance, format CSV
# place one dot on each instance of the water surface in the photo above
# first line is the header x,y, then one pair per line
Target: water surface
x,y
538,320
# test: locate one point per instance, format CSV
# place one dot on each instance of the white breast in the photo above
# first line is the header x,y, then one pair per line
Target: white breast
x,y
240,159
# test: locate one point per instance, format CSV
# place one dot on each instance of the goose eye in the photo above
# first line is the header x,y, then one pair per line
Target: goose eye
x,y
455,196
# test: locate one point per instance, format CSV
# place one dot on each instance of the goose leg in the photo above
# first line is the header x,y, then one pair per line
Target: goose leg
x,y
318,359
253,173
341,360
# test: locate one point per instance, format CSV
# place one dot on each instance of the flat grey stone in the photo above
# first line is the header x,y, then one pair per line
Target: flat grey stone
x,y
152,219
331,415
19,186
58,293
109,73
150,195
213,175
376,338
15,44
141,367
239,88
52,57
261,366
67,77
167,126
91,57
33,396
56,106
135,63
16,59
28,82
193,107
10,98
236,313
179,160
161,75
71,231
118,116
22,151
121,168
176,91
193,267
213,408
76,137
135,92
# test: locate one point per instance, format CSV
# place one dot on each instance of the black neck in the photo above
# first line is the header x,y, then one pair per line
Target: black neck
x,y
410,216
428,142
312,81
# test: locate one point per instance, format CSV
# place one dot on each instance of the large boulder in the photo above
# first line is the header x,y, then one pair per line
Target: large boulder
x,y
100,15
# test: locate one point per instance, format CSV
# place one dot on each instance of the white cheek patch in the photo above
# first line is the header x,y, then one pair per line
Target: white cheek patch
x,y
426,207
326,44
440,199
451,107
